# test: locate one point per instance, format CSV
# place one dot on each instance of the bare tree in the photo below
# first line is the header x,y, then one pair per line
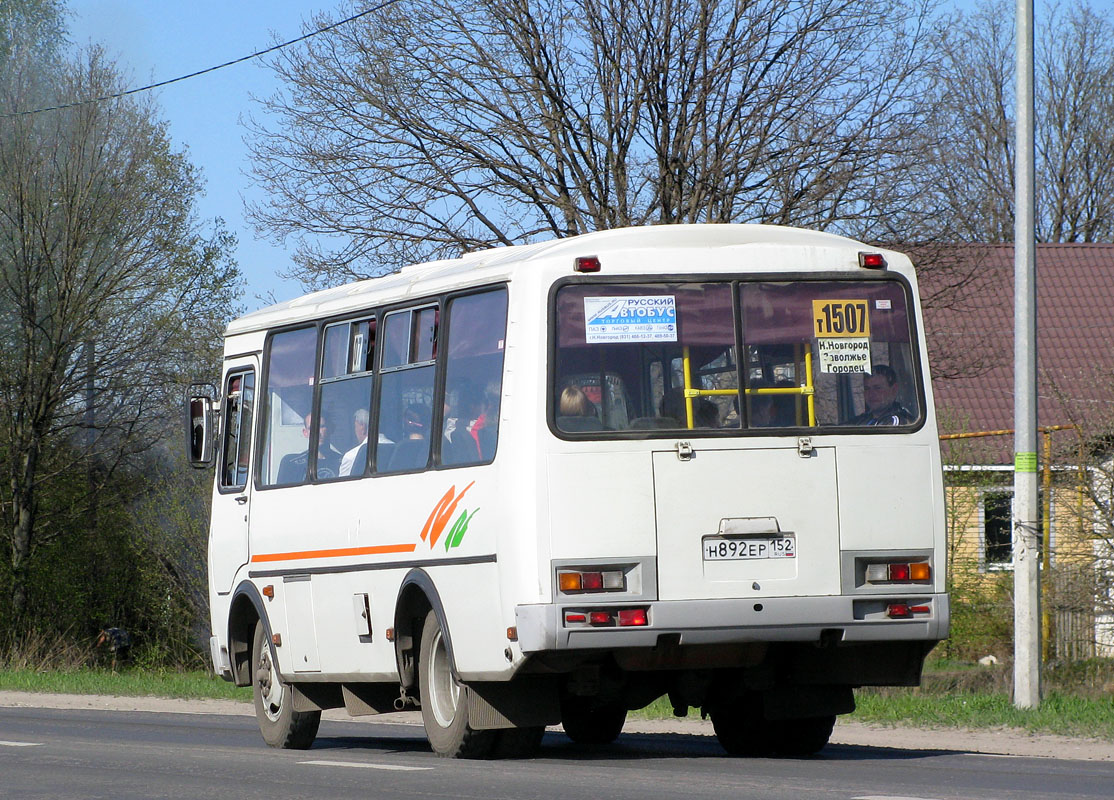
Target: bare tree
x,y
109,289
438,127
966,176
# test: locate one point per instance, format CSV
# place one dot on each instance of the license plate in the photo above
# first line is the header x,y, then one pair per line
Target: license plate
x,y
717,548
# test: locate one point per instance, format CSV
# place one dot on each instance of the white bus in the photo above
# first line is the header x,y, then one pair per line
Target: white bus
x,y
555,482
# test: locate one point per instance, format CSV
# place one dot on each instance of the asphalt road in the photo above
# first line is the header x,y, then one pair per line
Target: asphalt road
x,y
67,753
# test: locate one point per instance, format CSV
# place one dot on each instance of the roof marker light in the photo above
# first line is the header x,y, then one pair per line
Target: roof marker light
x,y
872,261
586,264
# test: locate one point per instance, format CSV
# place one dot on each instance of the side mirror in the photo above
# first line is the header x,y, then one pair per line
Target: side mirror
x,y
200,426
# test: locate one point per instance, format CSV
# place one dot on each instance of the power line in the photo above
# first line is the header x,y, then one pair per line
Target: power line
x,y
205,71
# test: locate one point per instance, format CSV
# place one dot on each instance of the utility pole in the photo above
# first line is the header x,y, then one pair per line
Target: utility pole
x,y
1026,533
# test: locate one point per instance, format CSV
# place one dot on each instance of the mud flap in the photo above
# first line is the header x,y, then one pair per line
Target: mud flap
x,y
520,703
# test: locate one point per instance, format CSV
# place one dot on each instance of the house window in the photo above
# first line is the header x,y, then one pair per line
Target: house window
x,y
997,529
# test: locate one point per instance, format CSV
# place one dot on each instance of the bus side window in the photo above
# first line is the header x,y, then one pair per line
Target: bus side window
x,y
239,400
346,383
473,378
409,346
288,423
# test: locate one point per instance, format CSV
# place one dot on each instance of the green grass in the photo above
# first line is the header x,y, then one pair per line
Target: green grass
x,y
125,683
1058,713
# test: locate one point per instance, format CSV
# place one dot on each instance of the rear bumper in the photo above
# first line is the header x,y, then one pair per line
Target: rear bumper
x,y
542,627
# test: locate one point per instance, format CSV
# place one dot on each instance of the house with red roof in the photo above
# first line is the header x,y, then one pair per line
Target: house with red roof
x,y
967,292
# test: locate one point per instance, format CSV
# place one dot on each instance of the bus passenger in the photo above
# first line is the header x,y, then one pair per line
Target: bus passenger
x,y
356,457
772,410
574,403
704,411
880,393
575,412
292,468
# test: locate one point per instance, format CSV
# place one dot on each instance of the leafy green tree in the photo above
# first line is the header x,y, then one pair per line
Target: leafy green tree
x,y
111,291
33,28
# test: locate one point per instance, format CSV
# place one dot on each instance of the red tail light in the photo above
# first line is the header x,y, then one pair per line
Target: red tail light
x,y
632,616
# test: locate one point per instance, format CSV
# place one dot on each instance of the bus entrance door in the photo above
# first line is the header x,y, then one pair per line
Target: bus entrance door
x,y
228,534
746,523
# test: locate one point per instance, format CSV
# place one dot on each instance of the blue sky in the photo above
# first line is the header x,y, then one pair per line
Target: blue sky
x,y
154,40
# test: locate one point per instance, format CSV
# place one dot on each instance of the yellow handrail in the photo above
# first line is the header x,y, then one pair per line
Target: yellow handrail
x,y
808,390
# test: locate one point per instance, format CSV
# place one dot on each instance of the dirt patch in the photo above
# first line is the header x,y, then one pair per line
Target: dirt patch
x,y
999,741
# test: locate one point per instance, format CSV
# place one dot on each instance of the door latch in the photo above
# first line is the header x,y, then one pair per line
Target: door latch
x,y
685,451
804,447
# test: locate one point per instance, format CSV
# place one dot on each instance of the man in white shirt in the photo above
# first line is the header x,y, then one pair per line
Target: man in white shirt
x,y
357,456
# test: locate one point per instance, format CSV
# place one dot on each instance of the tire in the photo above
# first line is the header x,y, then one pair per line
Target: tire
x,y
279,723
518,742
445,701
740,727
586,722
801,737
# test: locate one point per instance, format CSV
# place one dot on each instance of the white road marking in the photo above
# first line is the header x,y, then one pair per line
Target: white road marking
x,y
395,767
889,797
20,744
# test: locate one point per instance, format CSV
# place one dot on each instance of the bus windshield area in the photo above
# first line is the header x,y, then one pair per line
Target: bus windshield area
x,y
666,356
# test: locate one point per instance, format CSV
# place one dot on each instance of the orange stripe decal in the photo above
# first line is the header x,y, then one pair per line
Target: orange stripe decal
x,y
441,515
373,550
436,514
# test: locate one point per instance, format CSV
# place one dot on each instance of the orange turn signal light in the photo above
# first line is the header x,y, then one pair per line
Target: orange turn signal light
x,y
920,572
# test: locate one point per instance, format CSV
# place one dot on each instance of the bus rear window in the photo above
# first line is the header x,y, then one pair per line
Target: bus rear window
x,y
666,357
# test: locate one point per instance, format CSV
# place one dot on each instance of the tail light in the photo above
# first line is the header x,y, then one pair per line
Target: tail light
x,y
916,572
906,611
607,618
574,581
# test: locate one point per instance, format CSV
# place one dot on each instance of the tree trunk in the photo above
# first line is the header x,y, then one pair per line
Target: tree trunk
x,y
23,503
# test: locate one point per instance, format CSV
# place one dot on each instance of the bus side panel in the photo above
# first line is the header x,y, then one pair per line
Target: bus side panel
x,y
361,537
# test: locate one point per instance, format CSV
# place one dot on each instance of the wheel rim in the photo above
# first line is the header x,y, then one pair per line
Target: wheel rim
x,y
444,691
268,686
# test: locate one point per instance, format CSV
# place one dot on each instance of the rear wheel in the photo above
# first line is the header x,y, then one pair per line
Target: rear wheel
x,y
518,742
587,722
279,723
801,737
445,700
741,728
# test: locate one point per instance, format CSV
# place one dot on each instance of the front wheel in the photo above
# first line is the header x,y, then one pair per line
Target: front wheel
x,y
279,723
445,700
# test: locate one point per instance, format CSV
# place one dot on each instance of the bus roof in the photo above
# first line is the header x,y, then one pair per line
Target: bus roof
x,y
500,263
